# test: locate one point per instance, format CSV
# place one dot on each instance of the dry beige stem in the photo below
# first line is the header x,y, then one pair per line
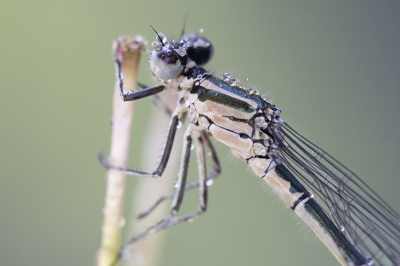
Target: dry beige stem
x,y
127,50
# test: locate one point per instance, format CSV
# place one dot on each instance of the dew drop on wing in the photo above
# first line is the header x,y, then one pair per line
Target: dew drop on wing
x,y
192,147
209,182
179,125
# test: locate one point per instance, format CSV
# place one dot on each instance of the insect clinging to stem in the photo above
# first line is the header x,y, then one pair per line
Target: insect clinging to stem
x,y
353,222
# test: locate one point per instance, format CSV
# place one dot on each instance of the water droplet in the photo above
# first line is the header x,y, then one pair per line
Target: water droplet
x,y
341,228
192,147
311,194
247,79
209,182
330,213
226,76
184,102
121,222
162,36
176,185
158,47
156,69
232,82
201,30
168,81
249,91
256,92
179,125
241,87
264,98
148,59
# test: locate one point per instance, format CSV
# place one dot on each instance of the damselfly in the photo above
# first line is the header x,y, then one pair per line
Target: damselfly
x,y
356,225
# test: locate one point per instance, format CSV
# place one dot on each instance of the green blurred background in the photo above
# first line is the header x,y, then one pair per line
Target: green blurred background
x,y
333,67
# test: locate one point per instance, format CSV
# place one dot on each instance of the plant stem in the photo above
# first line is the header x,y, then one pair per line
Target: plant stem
x,y
127,50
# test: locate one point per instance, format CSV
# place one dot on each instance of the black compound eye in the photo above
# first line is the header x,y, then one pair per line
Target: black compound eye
x,y
199,49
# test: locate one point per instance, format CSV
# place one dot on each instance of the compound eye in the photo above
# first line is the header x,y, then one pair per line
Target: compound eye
x,y
164,63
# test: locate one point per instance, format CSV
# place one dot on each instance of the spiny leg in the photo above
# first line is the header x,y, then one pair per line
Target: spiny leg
x,y
202,172
180,190
170,219
136,94
216,167
216,170
167,150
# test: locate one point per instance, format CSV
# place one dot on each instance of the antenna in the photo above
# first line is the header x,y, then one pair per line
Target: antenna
x,y
159,38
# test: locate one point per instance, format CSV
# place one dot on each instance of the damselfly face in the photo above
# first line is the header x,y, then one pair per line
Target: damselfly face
x,y
168,60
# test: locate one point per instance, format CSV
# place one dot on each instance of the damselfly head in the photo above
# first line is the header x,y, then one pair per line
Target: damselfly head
x,y
167,63
167,60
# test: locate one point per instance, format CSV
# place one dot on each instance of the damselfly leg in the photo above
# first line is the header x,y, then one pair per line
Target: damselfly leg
x,y
199,139
216,170
134,95
175,120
